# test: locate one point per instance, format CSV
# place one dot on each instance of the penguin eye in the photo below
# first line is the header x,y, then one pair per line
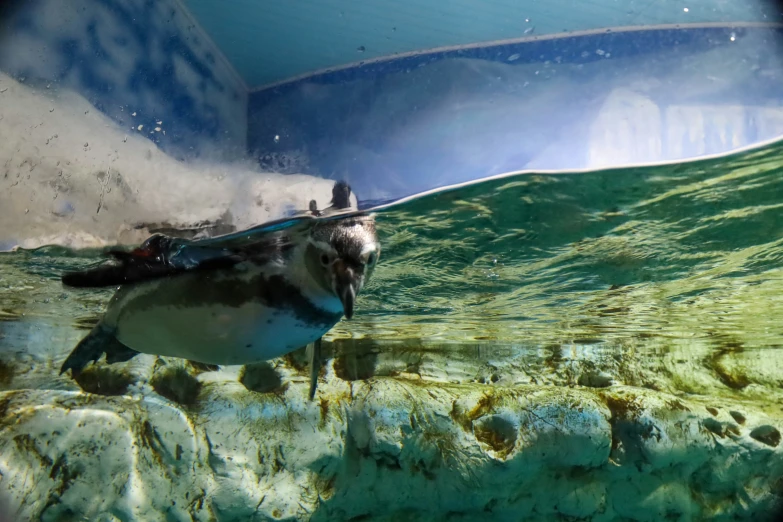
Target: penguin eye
x,y
371,259
325,260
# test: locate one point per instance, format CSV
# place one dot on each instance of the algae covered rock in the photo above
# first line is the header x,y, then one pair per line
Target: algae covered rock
x,y
383,448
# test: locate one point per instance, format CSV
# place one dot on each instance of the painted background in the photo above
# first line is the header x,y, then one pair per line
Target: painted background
x,y
146,57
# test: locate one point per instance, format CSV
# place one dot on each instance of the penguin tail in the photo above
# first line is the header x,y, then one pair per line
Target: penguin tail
x,y
100,340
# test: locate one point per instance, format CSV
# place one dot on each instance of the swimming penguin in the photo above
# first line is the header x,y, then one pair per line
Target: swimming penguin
x,y
236,299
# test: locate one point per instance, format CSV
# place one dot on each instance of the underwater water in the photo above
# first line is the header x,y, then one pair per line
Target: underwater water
x,y
588,346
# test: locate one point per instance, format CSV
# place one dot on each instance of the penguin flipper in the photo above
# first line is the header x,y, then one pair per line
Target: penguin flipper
x,y
100,340
314,357
158,256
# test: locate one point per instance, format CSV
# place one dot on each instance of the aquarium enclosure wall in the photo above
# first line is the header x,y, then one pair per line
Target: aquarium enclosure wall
x,y
575,313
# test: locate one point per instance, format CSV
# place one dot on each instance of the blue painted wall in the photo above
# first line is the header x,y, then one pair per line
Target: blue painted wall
x,y
272,40
132,56
399,127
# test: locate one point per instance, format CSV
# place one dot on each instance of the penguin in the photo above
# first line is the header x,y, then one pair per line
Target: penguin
x,y
234,299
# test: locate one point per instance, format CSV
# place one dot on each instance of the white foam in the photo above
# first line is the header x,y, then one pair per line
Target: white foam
x,y
71,176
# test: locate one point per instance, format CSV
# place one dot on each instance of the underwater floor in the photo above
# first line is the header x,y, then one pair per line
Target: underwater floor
x,y
602,346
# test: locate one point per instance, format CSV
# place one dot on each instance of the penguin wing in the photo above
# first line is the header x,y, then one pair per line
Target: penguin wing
x,y
159,256
162,256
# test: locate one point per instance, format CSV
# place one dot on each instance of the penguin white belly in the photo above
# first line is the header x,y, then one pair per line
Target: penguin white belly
x,y
217,334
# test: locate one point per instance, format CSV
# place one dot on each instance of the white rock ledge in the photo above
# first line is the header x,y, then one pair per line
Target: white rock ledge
x,y
387,448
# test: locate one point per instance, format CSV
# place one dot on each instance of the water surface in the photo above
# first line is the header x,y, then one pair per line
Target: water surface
x,y
690,251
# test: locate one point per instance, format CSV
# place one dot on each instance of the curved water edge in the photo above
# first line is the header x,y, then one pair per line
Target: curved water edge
x,y
763,148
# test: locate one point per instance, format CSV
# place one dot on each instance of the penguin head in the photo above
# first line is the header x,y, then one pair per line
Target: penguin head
x,y
342,253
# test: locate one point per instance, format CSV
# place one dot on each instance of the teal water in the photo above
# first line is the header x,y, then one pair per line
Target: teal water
x,y
660,278
689,250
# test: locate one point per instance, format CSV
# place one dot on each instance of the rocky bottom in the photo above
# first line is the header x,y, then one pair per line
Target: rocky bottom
x,y
158,440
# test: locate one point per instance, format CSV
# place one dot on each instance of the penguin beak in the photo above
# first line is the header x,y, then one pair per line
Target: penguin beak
x,y
346,286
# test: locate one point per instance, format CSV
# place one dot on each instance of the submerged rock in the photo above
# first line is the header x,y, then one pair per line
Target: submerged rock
x,y
768,435
103,380
383,448
177,385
